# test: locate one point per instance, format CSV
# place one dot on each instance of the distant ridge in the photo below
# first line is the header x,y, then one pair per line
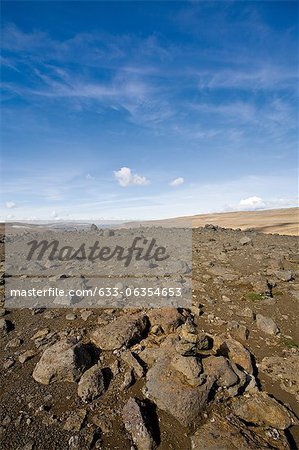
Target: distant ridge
x,y
281,221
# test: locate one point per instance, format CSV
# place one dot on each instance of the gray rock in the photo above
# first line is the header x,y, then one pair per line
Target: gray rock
x,y
108,233
245,240
266,324
63,361
284,275
124,331
166,388
91,384
136,425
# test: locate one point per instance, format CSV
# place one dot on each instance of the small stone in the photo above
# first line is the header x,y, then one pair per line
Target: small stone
x,y
167,319
85,315
284,275
238,331
14,343
190,367
49,315
220,369
128,379
266,324
28,354
246,312
70,316
8,363
40,334
245,240
108,233
75,420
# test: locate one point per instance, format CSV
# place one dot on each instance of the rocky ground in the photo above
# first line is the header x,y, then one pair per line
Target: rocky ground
x,y
220,375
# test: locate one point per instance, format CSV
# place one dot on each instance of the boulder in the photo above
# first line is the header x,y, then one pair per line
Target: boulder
x,y
63,361
124,331
135,424
226,432
261,409
173,394
91,384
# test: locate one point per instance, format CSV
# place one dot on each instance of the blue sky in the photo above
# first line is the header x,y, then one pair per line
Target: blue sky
x,y
140,110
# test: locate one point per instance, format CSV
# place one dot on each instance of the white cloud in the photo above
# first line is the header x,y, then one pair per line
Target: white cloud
x,y
10,205
177,182
125,177
89,177
252,203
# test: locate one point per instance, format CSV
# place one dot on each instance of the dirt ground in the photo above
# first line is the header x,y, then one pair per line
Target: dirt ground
x,y
230,275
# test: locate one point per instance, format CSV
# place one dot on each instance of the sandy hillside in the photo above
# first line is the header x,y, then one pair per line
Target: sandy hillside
x,y
281,221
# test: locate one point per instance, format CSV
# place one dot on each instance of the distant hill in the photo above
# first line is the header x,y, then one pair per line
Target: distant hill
x,y
281,221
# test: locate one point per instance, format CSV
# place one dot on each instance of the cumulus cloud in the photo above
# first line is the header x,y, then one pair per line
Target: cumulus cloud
x,y
126,177
177,182
10,205
252,203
